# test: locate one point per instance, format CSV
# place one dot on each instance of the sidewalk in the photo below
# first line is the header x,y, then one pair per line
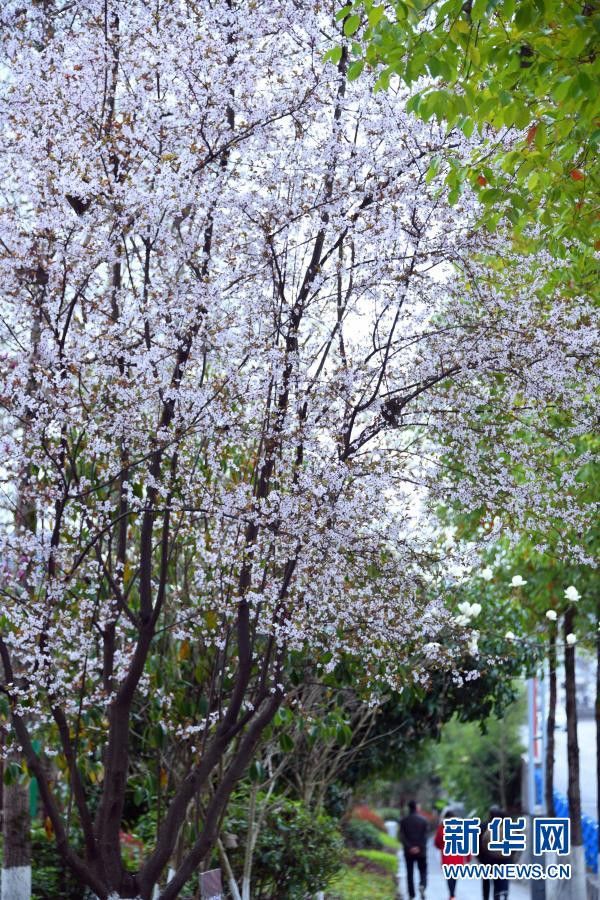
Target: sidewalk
x,y
465,890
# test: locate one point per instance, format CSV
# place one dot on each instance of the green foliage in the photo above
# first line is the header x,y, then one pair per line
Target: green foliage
x,y
362,835
531,68
297,852
419,713
482,767
337,797
50,879
389,813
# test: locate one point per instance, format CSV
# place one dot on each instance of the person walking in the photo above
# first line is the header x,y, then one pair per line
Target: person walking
x,y
492,857
413,834
449,859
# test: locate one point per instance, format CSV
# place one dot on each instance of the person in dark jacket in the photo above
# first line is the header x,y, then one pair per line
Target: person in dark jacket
x,y
413,834
490,857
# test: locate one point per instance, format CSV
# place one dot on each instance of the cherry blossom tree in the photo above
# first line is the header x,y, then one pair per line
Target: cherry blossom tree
x,y
242,283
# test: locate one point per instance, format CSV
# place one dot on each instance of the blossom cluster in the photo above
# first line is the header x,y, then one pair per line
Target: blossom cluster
x,y
236,320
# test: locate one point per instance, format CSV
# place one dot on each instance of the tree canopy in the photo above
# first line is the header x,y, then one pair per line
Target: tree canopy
x,y
526,75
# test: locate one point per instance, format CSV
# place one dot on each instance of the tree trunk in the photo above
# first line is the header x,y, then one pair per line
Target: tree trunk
x,y
502,761
573,790
551,724
16,825
577,886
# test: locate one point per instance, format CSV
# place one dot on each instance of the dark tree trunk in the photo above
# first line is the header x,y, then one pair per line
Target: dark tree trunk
x,y
16,824
16,830
551,723
502,761
573,791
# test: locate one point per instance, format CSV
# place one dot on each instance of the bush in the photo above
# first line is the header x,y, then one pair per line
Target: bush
x,y
361,835
390,814
392,845
297,852
337,799
366,814
49,876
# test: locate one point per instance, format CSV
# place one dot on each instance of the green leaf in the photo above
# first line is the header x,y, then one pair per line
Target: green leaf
x,y
414,102
479,9
524,15
434,168
355,69
286,743
344,735
375,15
351,25
334,55
342,13
256,772
562,89
467,127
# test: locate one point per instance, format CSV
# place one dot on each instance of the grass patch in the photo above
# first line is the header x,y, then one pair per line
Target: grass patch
x,y
355,884
382,858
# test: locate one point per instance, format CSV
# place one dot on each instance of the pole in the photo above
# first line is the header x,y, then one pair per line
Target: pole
x,y
537,888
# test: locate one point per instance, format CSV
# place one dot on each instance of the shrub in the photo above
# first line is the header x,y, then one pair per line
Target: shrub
x,y
390,814
297,851
337,799
366,814
361,835
392,845
49,876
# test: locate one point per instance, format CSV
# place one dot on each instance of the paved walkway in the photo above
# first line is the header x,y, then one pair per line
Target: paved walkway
x,y
466,890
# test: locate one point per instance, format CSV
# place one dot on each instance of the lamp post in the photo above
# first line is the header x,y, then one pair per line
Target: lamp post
x,y
538,888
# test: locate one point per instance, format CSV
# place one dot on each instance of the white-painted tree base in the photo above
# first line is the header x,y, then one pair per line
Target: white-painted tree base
x,y
575,888
116,897
16,883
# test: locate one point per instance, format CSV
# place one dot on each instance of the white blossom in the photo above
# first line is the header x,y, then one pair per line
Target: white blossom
x,y
572,594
